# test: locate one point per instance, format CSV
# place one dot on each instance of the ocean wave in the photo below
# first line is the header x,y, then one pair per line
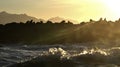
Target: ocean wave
x,y
59,56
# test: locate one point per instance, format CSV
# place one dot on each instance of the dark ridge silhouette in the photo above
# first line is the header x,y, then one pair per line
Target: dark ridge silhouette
x,y
60,33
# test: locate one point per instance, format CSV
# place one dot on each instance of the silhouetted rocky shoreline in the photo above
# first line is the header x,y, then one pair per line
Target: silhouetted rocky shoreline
x,y
60,33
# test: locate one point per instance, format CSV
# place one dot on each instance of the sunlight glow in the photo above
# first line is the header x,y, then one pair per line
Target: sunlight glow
x,y
95,9
113,6
80,10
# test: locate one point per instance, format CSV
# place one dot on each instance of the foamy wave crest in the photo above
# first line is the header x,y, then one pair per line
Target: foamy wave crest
x,y
59,56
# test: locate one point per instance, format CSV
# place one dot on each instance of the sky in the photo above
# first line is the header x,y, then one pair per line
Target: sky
x,y
80,10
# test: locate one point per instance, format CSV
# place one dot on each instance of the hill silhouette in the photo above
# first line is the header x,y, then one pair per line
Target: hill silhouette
x,y
6,17
59,19
60,33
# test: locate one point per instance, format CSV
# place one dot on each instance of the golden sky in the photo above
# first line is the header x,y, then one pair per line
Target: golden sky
x,y
80,10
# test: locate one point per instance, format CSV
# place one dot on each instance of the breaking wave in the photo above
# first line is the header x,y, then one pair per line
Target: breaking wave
x,y
59,56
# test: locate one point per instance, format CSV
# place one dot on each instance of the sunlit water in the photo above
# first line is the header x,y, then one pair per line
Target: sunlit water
x,y
83,56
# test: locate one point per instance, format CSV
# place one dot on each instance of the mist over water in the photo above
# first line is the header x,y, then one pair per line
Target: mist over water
x,y
76,55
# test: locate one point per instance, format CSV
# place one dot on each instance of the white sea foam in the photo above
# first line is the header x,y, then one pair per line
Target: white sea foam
x,y
19,54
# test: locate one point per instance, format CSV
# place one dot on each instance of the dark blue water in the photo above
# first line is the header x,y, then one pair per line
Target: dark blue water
x,y
76,55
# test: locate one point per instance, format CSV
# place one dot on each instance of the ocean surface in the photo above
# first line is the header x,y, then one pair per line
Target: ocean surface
x,y
59,56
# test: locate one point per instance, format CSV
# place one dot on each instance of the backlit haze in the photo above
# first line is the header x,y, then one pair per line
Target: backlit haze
x,y
80,10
